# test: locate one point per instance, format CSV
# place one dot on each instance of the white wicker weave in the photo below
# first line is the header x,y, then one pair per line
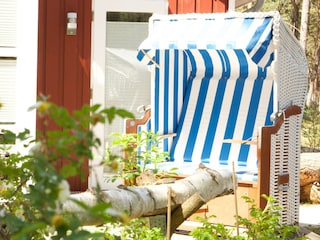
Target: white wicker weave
x,y
290,68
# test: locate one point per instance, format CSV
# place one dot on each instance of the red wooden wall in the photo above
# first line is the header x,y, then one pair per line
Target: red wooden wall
x,y
198,6
64,61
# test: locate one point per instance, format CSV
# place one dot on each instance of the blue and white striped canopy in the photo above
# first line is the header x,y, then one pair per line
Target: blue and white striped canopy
x,y
211,31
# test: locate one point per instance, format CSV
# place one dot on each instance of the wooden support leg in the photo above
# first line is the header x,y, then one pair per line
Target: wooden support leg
x,y
185,210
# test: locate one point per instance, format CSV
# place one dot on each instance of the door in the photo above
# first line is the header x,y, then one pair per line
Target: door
x,y
117,77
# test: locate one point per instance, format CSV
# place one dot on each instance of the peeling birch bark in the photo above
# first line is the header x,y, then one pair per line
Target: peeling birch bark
x,y
152,200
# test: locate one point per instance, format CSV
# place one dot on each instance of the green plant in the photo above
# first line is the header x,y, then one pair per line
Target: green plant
x,y
311,126
138,152
137,229
264,224
209,231
33,189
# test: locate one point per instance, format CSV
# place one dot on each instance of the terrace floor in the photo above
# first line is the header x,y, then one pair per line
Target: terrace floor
x,y
309,223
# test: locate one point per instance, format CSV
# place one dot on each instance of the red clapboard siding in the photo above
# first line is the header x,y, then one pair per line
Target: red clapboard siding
x,y
198,6
64,61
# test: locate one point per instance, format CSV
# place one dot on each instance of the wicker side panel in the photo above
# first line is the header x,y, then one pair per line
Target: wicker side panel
x,y
278,161
292,70
294,169
285,159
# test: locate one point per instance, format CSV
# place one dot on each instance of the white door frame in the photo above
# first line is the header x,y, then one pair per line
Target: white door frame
x,y
100,7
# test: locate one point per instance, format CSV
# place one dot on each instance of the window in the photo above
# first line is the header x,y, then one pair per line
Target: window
x,y
7,90
127,83
8,57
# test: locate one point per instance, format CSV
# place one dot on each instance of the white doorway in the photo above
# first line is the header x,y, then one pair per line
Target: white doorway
x,y
117,77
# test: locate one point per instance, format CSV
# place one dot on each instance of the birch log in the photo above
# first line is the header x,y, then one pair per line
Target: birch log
x,y
151,200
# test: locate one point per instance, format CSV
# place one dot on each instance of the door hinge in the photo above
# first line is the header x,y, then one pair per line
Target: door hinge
x,y
92,16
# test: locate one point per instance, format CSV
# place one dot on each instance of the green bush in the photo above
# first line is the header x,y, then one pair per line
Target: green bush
x,y
264,224
137,229
33,190
311,127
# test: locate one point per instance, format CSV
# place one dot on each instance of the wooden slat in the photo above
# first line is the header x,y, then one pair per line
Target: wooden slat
x,y
204,6
199,6
173,6
186,6
220,6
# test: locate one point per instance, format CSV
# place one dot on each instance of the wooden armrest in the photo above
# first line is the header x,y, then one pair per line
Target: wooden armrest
x,y
169,135
240,141
132,124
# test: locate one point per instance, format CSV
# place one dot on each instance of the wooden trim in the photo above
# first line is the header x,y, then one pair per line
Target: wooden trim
x,y
173,7
132,124
8,58
186,6
204,6
238,141
290,111
264,152
283,179
220,5
247,184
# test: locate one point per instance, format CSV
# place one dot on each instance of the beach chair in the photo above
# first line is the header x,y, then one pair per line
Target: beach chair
x,y
231,88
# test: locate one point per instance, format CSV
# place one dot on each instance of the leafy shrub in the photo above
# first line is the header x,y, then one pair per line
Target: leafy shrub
x,y
311,126
264,224
136,230
33,190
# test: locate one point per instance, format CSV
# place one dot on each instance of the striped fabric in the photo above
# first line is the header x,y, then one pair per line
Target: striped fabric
x,y
210,83
219,31
227,97
168,87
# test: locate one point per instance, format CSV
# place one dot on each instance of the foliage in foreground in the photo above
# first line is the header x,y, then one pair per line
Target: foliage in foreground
x,y
265,224
137,229
33,188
